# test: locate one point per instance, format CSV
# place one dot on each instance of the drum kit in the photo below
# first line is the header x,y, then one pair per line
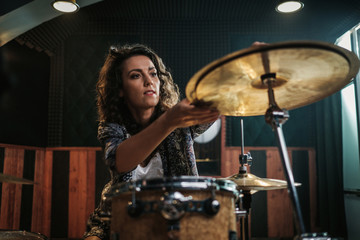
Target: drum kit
x,y
250,82
244,83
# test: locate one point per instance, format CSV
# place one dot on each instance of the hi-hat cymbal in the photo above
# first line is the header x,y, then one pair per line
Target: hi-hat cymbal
x,y
250,182
12,179
306,72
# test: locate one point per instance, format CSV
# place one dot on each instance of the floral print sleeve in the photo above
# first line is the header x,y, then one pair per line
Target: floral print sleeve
x,y
110,136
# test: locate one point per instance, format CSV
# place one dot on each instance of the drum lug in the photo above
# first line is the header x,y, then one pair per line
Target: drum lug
x,y
135,209
173,205
211,206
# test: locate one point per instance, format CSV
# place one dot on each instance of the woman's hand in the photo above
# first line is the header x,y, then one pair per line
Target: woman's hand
x,y
134,150
185,114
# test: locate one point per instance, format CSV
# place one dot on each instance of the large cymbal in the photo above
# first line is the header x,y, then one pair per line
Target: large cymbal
x,y
12,179
249,182
306,72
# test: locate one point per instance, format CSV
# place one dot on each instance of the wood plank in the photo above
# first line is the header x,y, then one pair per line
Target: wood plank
x,y
74,207
18,188
280,217
38,192
41,217
48,166
90,186
313,191
81,191
11,192
223,164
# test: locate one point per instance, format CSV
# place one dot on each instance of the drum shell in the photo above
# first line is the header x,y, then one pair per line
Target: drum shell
x,y
193,225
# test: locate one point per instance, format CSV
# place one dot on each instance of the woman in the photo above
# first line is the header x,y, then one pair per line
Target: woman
x,y
144,129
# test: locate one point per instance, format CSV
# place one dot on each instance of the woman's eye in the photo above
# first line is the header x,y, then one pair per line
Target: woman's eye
x,y
154,74
134,76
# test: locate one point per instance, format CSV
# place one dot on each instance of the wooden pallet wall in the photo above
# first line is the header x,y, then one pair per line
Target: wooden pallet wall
x,y
42,207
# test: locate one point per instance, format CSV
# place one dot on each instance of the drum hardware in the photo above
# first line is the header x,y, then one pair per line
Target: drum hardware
x,y
135,208
249,184
173,206
298,72
244,159
276,117
314,236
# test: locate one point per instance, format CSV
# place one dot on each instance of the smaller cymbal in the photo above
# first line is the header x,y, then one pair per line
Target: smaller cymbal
x,y
249,182
12,179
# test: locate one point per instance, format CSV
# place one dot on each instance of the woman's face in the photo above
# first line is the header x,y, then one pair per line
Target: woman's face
x,y
141,85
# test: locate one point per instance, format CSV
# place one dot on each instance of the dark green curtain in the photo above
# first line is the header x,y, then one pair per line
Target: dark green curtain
x,y
330,166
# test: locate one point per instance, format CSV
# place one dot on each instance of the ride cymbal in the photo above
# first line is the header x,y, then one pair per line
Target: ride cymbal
x,y
305,72
250,182
12,179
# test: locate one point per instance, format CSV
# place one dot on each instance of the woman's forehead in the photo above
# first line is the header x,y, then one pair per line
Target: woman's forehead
x,y
138,62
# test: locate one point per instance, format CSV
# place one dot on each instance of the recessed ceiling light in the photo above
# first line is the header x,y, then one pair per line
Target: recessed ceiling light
x,y
289,6
66,6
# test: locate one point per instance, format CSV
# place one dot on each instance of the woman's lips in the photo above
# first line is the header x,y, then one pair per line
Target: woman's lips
x,y
149,92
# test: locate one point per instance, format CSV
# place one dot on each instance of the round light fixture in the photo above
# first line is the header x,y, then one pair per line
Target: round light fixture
x,y
289,6
66,6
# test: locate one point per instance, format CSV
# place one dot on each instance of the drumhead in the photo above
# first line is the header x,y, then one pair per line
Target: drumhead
x,y
175,183
20,235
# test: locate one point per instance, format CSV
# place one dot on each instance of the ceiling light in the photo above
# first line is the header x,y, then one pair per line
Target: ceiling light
x,y
67,6
289,6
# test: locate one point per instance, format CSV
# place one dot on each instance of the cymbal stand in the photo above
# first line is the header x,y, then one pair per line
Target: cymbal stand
x,y
275,117
245,203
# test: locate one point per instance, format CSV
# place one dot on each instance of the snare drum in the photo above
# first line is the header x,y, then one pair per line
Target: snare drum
x,y
174,208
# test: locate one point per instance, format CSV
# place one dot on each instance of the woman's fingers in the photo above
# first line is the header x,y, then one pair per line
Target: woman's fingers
x,y
200,119
184,114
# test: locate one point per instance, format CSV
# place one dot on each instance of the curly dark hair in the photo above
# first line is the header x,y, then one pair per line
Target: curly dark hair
x,y
111,106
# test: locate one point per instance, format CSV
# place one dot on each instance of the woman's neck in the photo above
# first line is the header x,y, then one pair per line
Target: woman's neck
x,y
141,116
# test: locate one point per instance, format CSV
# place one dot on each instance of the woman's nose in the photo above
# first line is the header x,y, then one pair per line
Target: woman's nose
x,y
148,80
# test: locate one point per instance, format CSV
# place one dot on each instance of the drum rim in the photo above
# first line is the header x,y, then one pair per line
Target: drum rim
x,y
174,183
24,233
